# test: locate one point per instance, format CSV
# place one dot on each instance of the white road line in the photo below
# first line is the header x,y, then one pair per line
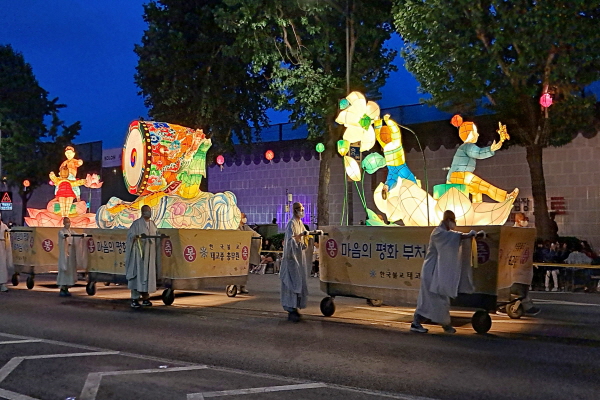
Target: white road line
x,y
7,394
10,366
205,395
566,303
21,341
92,383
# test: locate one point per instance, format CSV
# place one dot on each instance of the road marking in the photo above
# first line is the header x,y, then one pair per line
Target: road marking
x,y
10,366
92,383
21,341
566,303
7,394
205,395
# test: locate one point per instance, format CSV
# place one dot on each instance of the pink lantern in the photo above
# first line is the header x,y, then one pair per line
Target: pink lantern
x,y
220,160
269,155
546,100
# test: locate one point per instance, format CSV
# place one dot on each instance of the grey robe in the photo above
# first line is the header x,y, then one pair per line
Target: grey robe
x,y
141,257
446,272
5,253
254,246
294,268
69,256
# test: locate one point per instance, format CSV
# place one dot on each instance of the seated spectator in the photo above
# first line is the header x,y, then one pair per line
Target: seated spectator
x,y
578,257
562,253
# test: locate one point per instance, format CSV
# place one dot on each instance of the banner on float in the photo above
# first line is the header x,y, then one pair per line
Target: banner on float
x,y
42,253
106,250
192,253
516,256
22,241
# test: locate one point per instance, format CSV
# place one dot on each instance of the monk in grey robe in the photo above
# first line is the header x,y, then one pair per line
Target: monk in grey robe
x,y
69,256
5,255
140,259
294,265
446,272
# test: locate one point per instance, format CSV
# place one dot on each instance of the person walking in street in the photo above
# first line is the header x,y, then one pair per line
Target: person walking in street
x,y
68,257
294,265
255,245
5,255
140,259
445,273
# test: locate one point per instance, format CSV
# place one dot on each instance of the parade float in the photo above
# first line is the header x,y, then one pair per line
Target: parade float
x,y
382,262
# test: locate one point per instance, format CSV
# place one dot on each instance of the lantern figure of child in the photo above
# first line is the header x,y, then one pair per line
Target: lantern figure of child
x,y
464,161
64,189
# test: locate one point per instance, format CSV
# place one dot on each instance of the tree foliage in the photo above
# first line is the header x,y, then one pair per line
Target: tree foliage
x,y
33,136
300,48
504,55
191,73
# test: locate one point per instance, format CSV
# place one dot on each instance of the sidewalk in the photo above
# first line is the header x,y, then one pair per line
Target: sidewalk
x,y
564,315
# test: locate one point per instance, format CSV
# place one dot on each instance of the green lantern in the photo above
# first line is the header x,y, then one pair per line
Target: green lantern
x,y
343,147
320,147
344,103
373,162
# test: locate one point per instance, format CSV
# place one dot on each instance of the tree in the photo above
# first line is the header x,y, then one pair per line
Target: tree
x,y
299,46
190,73
509,53
31,145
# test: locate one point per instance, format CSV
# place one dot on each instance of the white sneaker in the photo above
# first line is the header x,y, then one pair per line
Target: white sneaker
x,y
547,289
555,290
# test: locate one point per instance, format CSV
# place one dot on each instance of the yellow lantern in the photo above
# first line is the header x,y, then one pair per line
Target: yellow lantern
x,y
343,147
352,168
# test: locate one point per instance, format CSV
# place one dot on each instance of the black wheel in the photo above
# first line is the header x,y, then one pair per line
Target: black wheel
x,y
30,282
375,303
327,306
231,291
106,283
15,279
168,296
90,288
515,310
481,321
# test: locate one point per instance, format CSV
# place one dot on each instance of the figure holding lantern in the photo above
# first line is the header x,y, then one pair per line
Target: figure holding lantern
x,y
65,189
71,163
464,161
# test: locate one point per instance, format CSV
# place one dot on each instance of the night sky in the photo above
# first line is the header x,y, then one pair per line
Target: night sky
x,y
81,51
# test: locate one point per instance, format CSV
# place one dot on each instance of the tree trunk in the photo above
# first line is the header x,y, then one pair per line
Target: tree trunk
x,y
325,174
538,189
25,196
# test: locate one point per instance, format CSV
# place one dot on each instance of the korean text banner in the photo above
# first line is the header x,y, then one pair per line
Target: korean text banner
x,y
106,250
42,253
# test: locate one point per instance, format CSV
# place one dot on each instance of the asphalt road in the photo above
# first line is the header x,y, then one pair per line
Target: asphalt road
x,y
208,345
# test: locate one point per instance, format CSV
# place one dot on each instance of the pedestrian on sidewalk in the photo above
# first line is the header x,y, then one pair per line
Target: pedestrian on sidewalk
x,y
5,255
68,253
294,265
446,272
140,259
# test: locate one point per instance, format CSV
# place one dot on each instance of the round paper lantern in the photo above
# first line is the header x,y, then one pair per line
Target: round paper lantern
x,y
320,147
26,183
220,160
546,100
456,120
269,155
343,147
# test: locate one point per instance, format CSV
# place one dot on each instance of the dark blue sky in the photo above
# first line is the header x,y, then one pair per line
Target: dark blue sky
x,y
81,51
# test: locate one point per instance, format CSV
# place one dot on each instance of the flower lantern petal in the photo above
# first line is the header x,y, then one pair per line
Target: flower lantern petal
x,y
373,110
352,168
341,118
368,140
354,134
354,96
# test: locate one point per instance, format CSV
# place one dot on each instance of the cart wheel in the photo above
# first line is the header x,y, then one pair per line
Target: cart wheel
x,y
15,279
90,288
30,282
515,310
374,303
106,283
481,321
231,291
327,306
168,296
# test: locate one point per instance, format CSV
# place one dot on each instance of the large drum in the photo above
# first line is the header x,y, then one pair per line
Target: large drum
x,y
152,155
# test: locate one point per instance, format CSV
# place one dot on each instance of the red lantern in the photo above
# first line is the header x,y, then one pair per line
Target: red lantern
x,y
269,155
456,120
546,100
220,160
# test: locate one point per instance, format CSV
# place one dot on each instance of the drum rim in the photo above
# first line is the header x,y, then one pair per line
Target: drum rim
x,y
143,180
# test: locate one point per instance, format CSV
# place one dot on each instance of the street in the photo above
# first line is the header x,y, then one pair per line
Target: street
x,y
209,345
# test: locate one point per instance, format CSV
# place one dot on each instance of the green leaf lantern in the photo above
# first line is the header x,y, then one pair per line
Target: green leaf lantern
x,y
365,122
344,103
320,147
373,162
343,147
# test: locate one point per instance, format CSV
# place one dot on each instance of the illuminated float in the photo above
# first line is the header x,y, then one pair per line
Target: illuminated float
x,y
66,201
164,164
401,197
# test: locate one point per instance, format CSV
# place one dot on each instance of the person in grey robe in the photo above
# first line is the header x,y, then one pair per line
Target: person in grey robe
x,y
140,259
255,246
294,265
69,255
5,255
446,272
